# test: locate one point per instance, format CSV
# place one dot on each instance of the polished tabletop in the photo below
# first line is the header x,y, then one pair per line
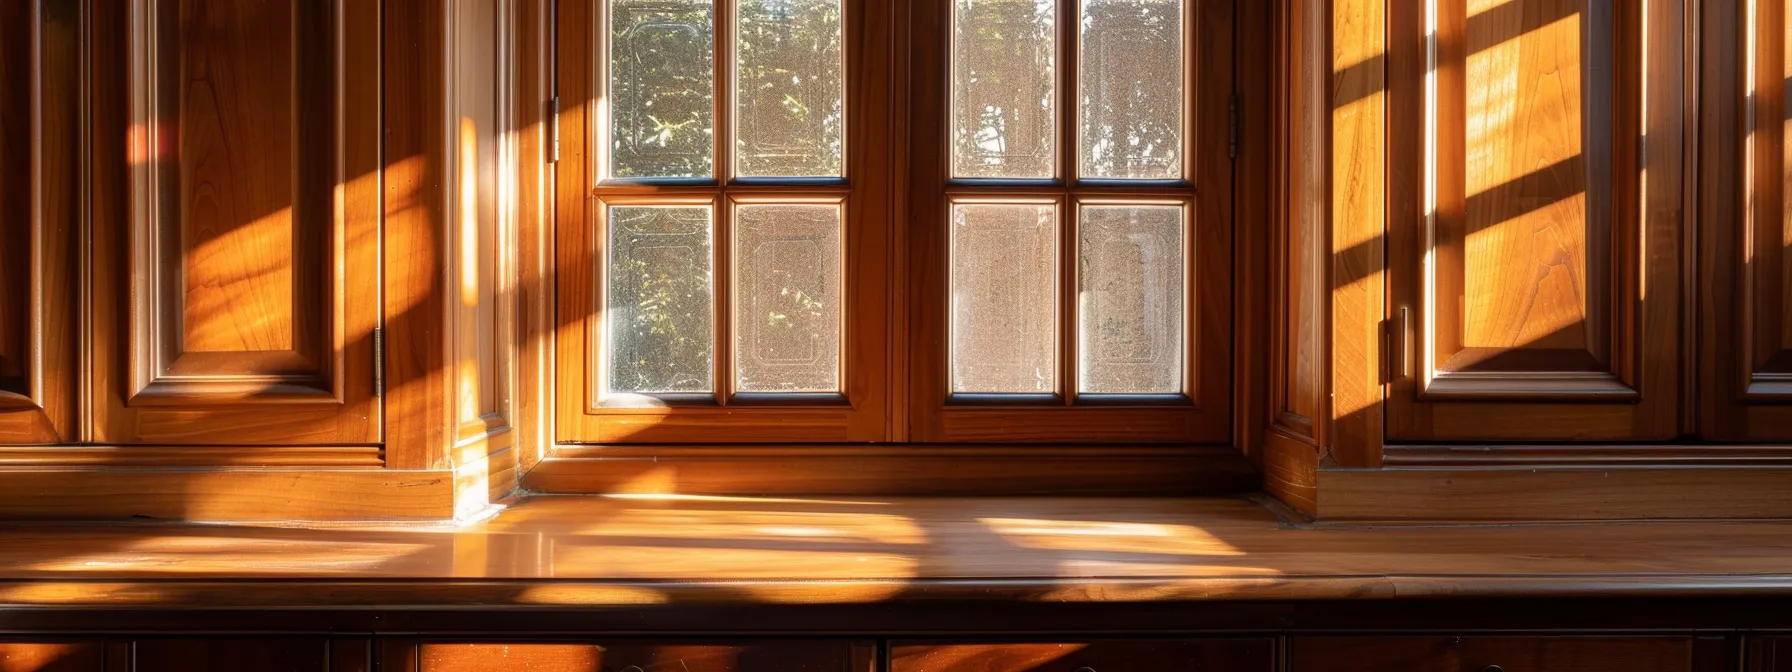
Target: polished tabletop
x,y
618,550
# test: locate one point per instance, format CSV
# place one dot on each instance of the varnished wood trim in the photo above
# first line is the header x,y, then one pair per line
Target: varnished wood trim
x,y
233,494
1591,456
1520,492
1358,147
903,470
191,456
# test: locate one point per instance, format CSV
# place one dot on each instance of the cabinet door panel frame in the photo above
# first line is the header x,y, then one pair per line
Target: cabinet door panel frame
x,y
1624,384
313,385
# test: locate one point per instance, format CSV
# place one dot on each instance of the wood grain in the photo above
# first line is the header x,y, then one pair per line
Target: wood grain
x,y
809,656
1582,490
1358,145
909,470
1516,654
1744,369
1543,290
247,295
248,493
1240,655
230,655
50,657
40,266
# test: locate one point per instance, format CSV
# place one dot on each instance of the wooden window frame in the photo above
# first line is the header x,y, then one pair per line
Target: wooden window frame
x,y
860,412
1202,412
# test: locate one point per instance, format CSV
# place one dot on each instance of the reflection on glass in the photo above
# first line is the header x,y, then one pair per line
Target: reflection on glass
x,y
659,310
1130,289
1004,312
1131,89
789,92
787,298
662,120
1002,88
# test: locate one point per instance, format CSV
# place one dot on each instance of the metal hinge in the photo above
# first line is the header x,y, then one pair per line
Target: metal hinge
x,y
1232,127
553,143
379,362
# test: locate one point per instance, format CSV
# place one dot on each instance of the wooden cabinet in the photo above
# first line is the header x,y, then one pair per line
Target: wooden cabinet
x,y
1505,654
812,656
1534,251
1745,281
1768,654
52,656
1190,655
235,224
39,197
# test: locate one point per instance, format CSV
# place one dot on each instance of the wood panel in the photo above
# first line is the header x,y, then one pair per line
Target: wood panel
x,y
51,657
1512,654
1536,244
1359,144
1745,356
810,656
1768,653
230,655
237,274
1193,655
1580,486
252,492
40,218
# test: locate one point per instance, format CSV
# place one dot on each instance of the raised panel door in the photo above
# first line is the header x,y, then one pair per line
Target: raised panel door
x,y
1535,267
237,279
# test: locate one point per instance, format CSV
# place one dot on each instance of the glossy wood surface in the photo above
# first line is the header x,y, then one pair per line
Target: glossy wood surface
x,y
235,290
51,657
804,656
40,264
1543,284
1192,655
641,551
1503,654
1745,372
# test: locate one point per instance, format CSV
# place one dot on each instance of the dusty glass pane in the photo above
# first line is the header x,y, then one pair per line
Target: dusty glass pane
x,y
1130,289
787,298
1002,88
788,88
1131,89
662,75
1004,312
659,309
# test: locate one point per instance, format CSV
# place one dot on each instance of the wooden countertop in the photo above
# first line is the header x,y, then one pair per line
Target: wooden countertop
x,y
593,551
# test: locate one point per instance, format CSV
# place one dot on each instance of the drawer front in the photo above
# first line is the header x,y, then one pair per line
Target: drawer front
x,y
1769,654
1500,654
643,657
50,657
1154,655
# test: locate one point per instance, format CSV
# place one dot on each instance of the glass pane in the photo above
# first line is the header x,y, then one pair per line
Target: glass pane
x,y
787,298
1130,288
1002,88
1131,89
662,88
788,88
1004,308
659,310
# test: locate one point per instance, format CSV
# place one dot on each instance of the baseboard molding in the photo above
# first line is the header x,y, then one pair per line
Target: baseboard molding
x,y
225,494
1705,455
191,456
894,470
1528,492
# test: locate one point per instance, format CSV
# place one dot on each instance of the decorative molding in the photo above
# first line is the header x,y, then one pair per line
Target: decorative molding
x,y
228,494
895,470
191,456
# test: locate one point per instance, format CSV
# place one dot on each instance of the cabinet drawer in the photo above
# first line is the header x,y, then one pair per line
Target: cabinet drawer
x,y
50,656
643,657
1133,655
1507,654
